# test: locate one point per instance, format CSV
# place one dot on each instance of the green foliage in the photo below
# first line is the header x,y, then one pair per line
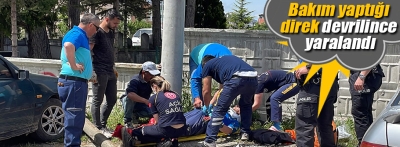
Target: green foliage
x,y
138,8
134,26
240,17
210,14
37,13
259,27
31,14
62,25
348,123
5,27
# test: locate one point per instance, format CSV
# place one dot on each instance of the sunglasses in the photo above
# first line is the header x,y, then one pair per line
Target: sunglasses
x,y
97,27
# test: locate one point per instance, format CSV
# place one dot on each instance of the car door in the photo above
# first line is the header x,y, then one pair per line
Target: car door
x,y
17,101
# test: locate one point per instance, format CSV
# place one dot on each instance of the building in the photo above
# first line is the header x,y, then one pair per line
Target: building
x,y
261,19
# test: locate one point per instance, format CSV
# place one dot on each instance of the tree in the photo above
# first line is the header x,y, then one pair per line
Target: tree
x,y
14,29
138,8
74,13
156,27
240,17
210,14
257,26
36,15
190,13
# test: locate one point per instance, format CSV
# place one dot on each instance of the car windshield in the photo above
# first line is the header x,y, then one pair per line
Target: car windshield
x,y
140,32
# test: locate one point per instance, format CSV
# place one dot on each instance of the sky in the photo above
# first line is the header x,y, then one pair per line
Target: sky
x,y
257,6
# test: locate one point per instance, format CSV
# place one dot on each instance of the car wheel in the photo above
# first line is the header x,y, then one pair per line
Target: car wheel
x,y
51,122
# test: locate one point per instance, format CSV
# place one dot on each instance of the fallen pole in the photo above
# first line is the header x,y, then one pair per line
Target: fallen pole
x,y
96,136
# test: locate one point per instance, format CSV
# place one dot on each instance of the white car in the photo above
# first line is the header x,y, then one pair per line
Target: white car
x,y
136,37
386,128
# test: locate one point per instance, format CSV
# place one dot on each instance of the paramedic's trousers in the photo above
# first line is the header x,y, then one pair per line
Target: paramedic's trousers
x,y
155,133
307,114
73,96
283,93
362,102
243,86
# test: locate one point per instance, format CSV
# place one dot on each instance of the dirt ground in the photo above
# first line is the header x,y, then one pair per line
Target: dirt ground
x,y
24,141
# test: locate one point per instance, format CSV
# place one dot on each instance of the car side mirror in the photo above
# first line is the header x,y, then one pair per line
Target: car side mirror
x,y
23,74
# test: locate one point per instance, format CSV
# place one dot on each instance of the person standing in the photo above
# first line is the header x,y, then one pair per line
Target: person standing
x,y
284,85
197,54
76,70
363,85
307,110
237,78
104,68
136,98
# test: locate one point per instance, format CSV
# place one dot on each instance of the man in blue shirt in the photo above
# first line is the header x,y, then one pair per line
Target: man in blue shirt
x,y
136,98
76,70
238,78
284,85
307,110
197,54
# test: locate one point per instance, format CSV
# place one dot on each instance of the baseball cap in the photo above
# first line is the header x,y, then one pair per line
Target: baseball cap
x,y
150,67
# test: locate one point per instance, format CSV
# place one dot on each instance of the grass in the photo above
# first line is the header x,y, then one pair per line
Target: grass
x,y
349,125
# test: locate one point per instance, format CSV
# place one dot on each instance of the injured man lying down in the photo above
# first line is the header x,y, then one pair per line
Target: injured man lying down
x,y
196,122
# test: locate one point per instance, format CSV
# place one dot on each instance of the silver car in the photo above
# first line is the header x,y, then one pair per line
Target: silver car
x,y
385,130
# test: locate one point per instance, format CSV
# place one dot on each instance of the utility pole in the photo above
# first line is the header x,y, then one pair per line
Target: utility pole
x,y
173,42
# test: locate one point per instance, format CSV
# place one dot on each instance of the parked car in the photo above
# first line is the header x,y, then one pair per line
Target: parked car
x,y
386,128
29,104
136,38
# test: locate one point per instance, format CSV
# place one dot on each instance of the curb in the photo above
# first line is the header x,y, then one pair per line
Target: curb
x,y
96,136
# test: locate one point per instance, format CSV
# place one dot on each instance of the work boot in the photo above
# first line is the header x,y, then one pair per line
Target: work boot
x,y
129,125
127,139
206,144
244,137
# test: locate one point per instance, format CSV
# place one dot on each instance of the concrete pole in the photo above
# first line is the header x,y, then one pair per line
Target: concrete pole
x,y
173,43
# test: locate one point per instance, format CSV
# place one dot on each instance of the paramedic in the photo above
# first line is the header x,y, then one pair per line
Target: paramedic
x,y
197,54
238,78
284,85
307,110
363,85
167,111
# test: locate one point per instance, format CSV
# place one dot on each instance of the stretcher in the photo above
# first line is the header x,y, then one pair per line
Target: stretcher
x,y
185,139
